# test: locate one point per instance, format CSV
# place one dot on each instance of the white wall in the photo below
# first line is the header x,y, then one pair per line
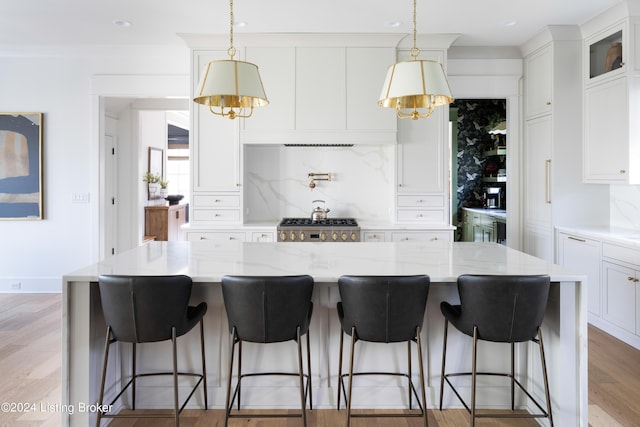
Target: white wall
x,y
58,83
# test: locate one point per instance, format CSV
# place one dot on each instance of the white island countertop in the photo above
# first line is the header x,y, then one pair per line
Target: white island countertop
x,y
564,326
208,261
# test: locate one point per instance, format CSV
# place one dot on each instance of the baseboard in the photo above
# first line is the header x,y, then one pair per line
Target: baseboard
x,y
30,284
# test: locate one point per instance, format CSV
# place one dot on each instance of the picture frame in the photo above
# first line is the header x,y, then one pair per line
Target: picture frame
x,y
21,177
155,167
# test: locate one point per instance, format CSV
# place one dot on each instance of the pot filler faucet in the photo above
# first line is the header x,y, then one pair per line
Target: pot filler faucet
x,y
318,177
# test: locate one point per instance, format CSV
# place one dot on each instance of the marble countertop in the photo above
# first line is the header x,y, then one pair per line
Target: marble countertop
x,y
500,213
207,261
622,236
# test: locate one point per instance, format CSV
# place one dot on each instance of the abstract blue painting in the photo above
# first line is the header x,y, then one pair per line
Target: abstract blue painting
x,y
21,166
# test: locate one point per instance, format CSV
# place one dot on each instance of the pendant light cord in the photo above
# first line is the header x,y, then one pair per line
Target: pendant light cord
x,y
414,50
232,50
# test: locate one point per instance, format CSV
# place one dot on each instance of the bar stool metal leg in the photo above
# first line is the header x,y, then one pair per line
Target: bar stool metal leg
x,y
444,361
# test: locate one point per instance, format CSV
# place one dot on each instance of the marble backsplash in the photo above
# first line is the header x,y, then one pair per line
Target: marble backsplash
x,y
277,184
625,206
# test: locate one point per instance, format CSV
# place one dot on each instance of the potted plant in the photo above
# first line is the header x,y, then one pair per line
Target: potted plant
x,y
153,182
163,188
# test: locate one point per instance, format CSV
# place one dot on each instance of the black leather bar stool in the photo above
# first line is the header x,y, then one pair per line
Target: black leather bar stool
x,y
502,309
383,309
144,309
266,309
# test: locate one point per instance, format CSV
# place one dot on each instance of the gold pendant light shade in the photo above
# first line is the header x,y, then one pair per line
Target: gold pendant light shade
x,y
231,88
415,88
234,87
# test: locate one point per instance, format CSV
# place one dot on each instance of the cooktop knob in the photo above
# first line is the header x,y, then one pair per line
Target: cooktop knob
x,y
302,236
334,236
354,236
283,236
323,236
292,236
344,237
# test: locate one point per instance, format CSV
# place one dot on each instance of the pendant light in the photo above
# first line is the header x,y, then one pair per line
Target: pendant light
x,y
415,88
231,88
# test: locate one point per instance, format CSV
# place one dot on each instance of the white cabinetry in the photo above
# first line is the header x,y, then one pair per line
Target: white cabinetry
x,y
612,267
322,95
621,289
538,68
553,191
402,235
612,104
582,254
215,156
422,168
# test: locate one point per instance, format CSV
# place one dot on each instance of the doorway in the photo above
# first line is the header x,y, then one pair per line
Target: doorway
x,y
479,169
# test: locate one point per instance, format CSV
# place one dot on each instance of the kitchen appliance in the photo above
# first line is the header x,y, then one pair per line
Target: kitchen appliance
x,y
323,230
493,198
319,213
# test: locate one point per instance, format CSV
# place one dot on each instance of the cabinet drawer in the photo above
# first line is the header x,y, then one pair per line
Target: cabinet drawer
x,y
373,236
435,201
222,215
263,236
217,236
421,216
628,255
216,200
424,236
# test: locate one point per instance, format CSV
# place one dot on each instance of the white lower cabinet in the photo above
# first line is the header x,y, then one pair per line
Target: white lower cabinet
x,y
217,236
613,282
578,253
621,296
402,235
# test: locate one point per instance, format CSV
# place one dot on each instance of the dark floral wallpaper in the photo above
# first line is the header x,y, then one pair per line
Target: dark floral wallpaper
x,y
476,117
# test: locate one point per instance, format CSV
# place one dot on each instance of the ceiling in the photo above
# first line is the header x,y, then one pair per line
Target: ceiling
x,y
158,22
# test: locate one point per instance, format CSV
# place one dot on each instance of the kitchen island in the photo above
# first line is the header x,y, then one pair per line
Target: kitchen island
x,y
564,328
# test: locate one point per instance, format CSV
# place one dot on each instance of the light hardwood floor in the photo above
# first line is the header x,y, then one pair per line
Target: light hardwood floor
x,y
30,359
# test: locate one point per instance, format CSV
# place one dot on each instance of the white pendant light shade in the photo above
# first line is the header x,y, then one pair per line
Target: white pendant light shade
x,y
415,88
230,84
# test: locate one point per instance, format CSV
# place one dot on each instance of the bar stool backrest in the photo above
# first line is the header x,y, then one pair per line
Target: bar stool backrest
x,y
383,308
145,308
267,309
504,308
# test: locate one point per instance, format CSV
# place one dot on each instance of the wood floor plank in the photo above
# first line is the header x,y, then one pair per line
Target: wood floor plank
x,y
30,360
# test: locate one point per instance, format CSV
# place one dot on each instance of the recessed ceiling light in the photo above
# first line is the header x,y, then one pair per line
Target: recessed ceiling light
x,y
509,23
122,23
240,24
393,24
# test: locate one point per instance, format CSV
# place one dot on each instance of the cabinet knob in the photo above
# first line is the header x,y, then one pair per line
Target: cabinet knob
x,y
622,171
548,102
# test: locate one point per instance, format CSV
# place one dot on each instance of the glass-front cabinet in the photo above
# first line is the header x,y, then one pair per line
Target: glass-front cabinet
x,y
606,53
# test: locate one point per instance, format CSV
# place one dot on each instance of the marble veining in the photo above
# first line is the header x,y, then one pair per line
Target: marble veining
x,y
208,261
625,206
277,183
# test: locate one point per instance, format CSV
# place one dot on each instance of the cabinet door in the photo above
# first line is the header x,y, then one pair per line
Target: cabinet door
x,y
216,155
176,220
538,82
583,255
619,290
277,71
537,177
606,138
422,163
364,86
320,88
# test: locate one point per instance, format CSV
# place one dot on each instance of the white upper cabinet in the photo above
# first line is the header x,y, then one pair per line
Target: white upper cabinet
x,y
321,95
216,164
539,82
611,153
